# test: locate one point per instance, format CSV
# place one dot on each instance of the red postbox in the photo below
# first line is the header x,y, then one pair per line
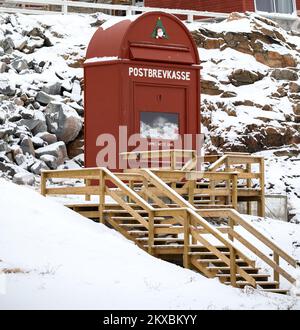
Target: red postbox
x,y
142,78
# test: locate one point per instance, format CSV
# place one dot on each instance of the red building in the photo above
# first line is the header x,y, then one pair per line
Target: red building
x,y
228,6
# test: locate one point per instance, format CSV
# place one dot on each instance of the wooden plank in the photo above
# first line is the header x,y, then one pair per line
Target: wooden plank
x,y
262,256
240,221
92,190
128,208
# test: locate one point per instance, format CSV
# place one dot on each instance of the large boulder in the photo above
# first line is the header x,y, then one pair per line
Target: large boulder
x,y
63,121
27,146
241,77
36,124
284,74
57,150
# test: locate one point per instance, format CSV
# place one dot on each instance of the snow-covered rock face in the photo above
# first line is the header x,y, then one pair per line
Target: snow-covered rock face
x,y
41,100
250,84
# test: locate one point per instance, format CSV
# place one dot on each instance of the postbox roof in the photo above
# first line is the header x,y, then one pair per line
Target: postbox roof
x,y
153,36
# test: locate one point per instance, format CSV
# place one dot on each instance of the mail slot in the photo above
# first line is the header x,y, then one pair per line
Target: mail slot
x,y
142,79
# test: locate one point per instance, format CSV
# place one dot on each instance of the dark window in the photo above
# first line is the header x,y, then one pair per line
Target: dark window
x,y
275,6
159,125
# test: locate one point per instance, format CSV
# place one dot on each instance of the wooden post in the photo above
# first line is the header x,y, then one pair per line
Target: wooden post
x,y
151,232
186,249
234,195
232,266
43,183
227,169
261,208
191,187
87,184
212,186
173,160
249,170
101,196
276,260
231,225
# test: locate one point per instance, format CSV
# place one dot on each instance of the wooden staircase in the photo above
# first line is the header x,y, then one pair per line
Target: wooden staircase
x,y
148,211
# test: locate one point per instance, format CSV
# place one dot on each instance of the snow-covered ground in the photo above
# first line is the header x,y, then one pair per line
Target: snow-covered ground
x,y
56,259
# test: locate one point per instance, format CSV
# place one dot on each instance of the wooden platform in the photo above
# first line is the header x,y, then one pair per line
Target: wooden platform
x,y
184,216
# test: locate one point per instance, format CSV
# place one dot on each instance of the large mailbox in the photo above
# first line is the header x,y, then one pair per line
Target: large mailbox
x,y
141,77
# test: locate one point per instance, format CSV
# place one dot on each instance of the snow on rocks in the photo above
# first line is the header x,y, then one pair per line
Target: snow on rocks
x,y
63,121
40,65
57,149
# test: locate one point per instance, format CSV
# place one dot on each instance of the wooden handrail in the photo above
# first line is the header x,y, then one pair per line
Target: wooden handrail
x,y
240,221
277,251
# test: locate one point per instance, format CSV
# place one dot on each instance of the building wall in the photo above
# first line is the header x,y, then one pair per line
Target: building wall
x,y
222,6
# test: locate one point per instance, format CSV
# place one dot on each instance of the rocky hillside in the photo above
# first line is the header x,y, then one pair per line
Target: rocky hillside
x,y
250,84
250,93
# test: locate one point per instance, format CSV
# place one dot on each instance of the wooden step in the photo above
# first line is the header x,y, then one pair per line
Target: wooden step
x,y
138,225
117,218
207,254
279,291
163,239
262,284
123,211
248,269
258,277
239,262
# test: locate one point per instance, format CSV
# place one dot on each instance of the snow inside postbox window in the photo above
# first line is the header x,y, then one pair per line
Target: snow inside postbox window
x,y
159,125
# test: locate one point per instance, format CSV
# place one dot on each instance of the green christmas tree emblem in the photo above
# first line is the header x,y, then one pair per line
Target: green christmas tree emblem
x,y
159,31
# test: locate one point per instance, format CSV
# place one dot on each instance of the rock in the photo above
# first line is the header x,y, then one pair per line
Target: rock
x,y
294,87
63,121
242,77
37,124
16,150
210,87
7,87
3,116
3,67
8,45
76,147
284,74
24,178
57,149
47,137
38,142
19,65
50,161
3,146
15,118
27,114
76,91
43,98
228,94
9,169
296,109
27,146
38,166
20,159
33,43
52,88
66,85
